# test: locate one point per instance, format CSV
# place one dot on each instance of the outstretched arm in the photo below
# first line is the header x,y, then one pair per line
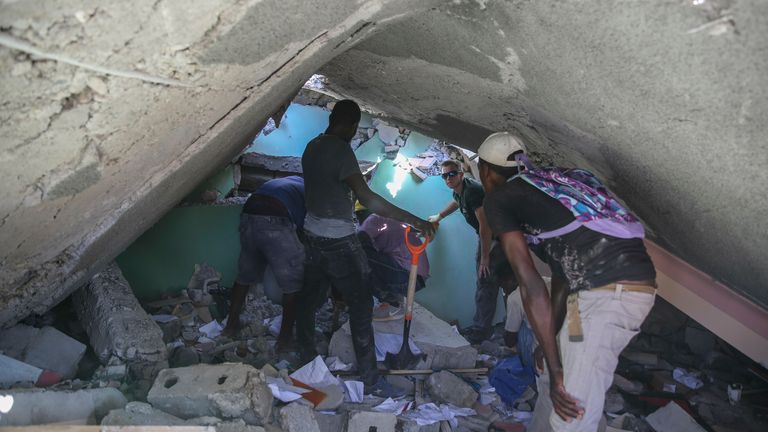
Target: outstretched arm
x,y
449,209
379,205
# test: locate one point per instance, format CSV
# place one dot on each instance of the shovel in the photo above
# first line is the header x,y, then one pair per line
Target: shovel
x,y
406,359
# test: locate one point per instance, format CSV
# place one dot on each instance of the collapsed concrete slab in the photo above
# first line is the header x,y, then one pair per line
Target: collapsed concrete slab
x,y
227,391
118,326
34,407
445,348
45,348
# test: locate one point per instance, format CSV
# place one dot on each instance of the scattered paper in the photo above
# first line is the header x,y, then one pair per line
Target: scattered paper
x,y
353,390
689,378
283,391
391,342
334,364
393,406
212,330
427,414
273,325
315,374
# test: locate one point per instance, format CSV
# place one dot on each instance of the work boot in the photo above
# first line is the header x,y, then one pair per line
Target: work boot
x,y
387,312
384,389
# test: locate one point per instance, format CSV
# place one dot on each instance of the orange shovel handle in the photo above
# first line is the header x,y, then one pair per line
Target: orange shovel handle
x,y
416,250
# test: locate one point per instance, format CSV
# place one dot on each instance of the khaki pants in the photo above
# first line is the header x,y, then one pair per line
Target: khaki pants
x,y
609,320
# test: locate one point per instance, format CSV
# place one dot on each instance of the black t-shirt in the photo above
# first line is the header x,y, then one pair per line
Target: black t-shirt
x,y
587,259
326,162
469,200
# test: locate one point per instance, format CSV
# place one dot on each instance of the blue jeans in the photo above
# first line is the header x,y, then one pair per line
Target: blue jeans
x,y
339,262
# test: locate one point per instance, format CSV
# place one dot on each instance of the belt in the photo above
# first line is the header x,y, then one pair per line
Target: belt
x,y
575,332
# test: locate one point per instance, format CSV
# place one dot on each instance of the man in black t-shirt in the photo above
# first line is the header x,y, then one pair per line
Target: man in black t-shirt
x,y
607,283
334,253
468,198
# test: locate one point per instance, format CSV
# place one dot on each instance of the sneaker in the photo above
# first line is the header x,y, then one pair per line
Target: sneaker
x,y
476,335
387,312
384,389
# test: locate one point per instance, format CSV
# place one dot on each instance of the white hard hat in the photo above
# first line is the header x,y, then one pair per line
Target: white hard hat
x,y
497,148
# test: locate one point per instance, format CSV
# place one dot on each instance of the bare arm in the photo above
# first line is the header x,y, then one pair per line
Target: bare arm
x,y
486,237
379,205
448,210
536,301
559,300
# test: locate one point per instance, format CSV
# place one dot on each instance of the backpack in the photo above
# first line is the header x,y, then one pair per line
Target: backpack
x,y
585,196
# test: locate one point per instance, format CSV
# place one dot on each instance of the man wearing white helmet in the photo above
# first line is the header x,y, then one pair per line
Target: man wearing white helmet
x,y
602,284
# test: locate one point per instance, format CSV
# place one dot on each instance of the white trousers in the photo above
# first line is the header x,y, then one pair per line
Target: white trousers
x,y
609,320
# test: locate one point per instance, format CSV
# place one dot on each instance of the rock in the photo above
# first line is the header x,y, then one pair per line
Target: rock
x,y
226,391
140,414
45,348
184,356
331,422
365,421
614,402
237,426
409,425
445,348
489,347
448,388
297,417
118,326
34,407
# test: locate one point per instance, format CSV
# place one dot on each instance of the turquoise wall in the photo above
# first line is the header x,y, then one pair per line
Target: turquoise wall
x,y
163,258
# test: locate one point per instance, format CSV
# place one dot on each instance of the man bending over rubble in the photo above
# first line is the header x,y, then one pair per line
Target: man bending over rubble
x,y
603,281
334,253
383,240
270,223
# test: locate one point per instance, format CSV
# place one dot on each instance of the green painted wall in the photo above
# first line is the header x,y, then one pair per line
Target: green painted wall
x,y
163,258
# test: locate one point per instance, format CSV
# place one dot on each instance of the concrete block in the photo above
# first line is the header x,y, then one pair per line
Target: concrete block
x,y
118,326
297,417
331,422
448,388
368,421
409,425
140,414
445,348
13,371
34,407
227,391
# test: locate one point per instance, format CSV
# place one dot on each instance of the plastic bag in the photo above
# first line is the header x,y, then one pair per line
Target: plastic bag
x,y
511,378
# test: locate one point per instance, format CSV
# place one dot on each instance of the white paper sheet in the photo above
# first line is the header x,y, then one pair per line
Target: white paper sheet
x,y
689,378
393,406
315,374
212,330
391,342
672,418
334,364
353,390
273,325
430,413
283,391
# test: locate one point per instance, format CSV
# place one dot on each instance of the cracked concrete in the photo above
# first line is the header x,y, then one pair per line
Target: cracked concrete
x,y
665,100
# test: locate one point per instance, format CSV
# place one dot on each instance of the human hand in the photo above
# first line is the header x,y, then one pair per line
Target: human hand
x,y
435,218
426,228
483,269
565,405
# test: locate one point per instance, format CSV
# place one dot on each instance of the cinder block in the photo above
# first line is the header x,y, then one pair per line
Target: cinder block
x,y
367,421
227,391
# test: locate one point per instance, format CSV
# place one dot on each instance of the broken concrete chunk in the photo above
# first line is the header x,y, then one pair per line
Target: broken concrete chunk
x,y
140,414
297,417
13,372
387,134
410,425
445,348
170,325
237,426
118,326
448,388
672,418
365,421
331,422
53,350
34,407
226,391
14,340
